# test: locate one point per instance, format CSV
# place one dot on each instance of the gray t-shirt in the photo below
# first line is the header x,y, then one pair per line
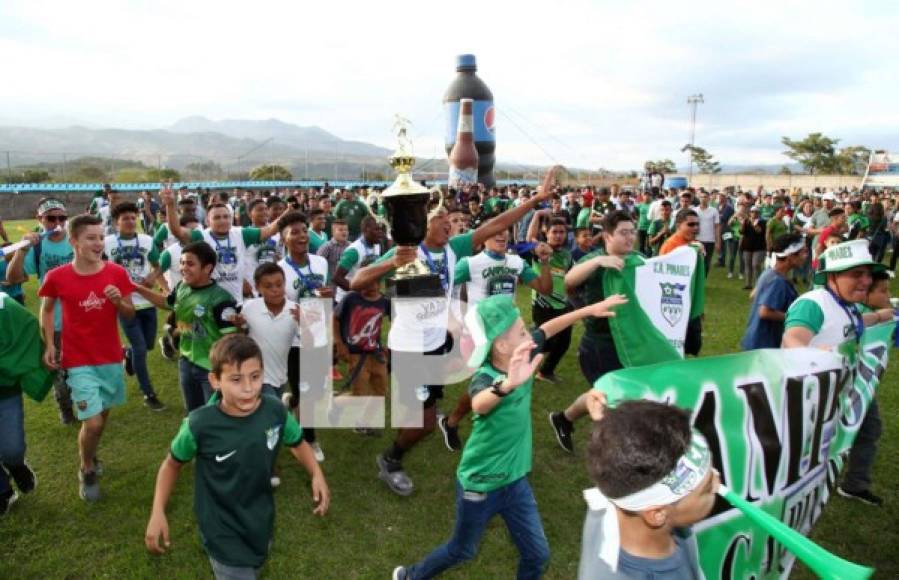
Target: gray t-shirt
x,y
683,564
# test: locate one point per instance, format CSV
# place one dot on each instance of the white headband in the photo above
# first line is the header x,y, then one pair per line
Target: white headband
x,y
689,471
794,248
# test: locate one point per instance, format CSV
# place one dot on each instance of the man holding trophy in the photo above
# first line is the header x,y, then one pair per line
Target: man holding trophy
x,y
419,274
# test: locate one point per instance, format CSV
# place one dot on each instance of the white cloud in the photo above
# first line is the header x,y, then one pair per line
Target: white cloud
x,y
594,83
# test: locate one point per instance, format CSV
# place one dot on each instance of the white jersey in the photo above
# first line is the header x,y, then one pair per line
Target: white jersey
x,y
357,255
273,334
420,324
301,283
820,312
269,251
169,261
488,275
231,252
133,254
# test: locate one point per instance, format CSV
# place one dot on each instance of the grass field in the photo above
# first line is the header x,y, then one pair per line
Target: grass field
x,y
53,534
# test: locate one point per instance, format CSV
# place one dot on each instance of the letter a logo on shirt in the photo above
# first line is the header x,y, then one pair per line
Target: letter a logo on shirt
x,y
92,302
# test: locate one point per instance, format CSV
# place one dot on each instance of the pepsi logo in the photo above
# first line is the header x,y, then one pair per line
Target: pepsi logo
x,y
490,119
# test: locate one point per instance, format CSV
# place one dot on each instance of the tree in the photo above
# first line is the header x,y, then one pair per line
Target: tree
x,y
785,170
163,175
703,159
35,176
852,160
270,173
661,166
816,153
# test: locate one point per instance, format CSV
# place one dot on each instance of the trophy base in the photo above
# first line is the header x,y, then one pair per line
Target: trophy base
x,y
419,286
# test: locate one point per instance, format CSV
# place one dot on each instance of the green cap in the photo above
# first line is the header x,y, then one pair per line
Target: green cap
x,y
845,256
487,320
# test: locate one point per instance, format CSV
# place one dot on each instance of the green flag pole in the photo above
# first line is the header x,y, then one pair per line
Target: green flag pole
x,y
823,563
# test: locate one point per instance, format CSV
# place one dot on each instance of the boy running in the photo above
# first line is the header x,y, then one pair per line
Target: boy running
x,y
235,442
492,476
93,293
135,252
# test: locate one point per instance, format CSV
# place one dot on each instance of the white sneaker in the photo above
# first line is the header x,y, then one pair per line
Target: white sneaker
x,y
741,276
317,451
276,481
730,275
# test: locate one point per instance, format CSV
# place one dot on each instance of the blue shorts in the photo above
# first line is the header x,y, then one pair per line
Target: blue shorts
x,y
96,388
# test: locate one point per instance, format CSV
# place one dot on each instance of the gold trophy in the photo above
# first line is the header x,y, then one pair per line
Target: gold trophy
x,y
406,205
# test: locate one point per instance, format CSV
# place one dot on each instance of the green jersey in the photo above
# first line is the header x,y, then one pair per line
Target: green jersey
x,y
21,349
494,205
559,264
202,315
766,212
499,451
233,498
776,228
353,212
643,221
316,240
593,292
654,228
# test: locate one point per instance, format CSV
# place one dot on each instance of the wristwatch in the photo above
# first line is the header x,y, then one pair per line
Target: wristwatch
x,y
497,388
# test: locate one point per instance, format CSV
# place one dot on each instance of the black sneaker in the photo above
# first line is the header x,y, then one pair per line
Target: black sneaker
x,y
863,496
166,348
450,434
153,403
127,364
563,429
24,477
6,501
88,486
391,473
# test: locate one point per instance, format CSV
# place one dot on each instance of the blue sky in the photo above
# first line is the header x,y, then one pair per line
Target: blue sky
x,y
596,84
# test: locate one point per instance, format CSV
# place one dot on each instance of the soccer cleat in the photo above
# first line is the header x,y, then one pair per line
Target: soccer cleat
x,y
865,496
391,473
450,434
127,363
166,348
563,428
24,477
88,486
153,403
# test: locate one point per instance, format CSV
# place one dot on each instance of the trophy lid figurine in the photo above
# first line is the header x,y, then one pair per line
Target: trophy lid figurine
x,y
406,205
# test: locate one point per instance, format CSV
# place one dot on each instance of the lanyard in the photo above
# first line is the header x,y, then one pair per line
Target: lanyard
x,y
852,312
218,246
307,281
442,270
131,249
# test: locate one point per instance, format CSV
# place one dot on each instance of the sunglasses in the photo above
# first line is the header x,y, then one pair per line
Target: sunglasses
x,y
692,224
55,219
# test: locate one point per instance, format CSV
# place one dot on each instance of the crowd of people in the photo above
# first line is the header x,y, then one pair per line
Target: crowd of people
x,y
244,276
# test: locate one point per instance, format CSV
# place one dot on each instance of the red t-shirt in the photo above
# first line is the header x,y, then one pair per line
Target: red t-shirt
x,y
90,330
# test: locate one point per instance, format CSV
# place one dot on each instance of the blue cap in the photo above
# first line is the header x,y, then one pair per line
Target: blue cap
x,y
466,62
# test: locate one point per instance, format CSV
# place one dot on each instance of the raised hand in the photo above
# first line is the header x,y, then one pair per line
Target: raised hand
x,y
521,368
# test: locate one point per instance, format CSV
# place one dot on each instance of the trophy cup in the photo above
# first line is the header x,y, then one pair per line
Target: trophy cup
x,y
406,205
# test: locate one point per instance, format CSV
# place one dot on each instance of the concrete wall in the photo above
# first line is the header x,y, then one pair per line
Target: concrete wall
x,y
24,205
806,182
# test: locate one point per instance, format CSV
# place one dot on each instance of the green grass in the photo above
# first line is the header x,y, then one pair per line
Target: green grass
x,y
53,534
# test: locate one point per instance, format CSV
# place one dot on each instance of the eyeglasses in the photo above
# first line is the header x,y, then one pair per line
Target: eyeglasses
x,y
55,219
627,233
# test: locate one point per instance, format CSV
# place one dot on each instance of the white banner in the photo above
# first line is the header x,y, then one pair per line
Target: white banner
x,y
663,286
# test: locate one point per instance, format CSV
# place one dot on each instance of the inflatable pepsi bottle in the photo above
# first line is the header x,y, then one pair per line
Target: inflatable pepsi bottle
x,y
468,85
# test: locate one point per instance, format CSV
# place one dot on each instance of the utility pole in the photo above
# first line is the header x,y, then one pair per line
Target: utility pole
x,y
693,101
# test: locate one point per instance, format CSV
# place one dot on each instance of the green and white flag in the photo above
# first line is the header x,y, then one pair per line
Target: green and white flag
x,y
665,290
664,294
780,424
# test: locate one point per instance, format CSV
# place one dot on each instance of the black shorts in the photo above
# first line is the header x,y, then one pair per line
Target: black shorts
x,y
597,356
435,392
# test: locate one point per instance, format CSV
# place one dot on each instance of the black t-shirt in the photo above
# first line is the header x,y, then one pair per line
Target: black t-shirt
x,y
360,322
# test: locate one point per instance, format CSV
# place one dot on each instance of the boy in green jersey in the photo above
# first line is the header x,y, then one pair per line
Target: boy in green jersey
x,y
235,441
204,312
492,476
